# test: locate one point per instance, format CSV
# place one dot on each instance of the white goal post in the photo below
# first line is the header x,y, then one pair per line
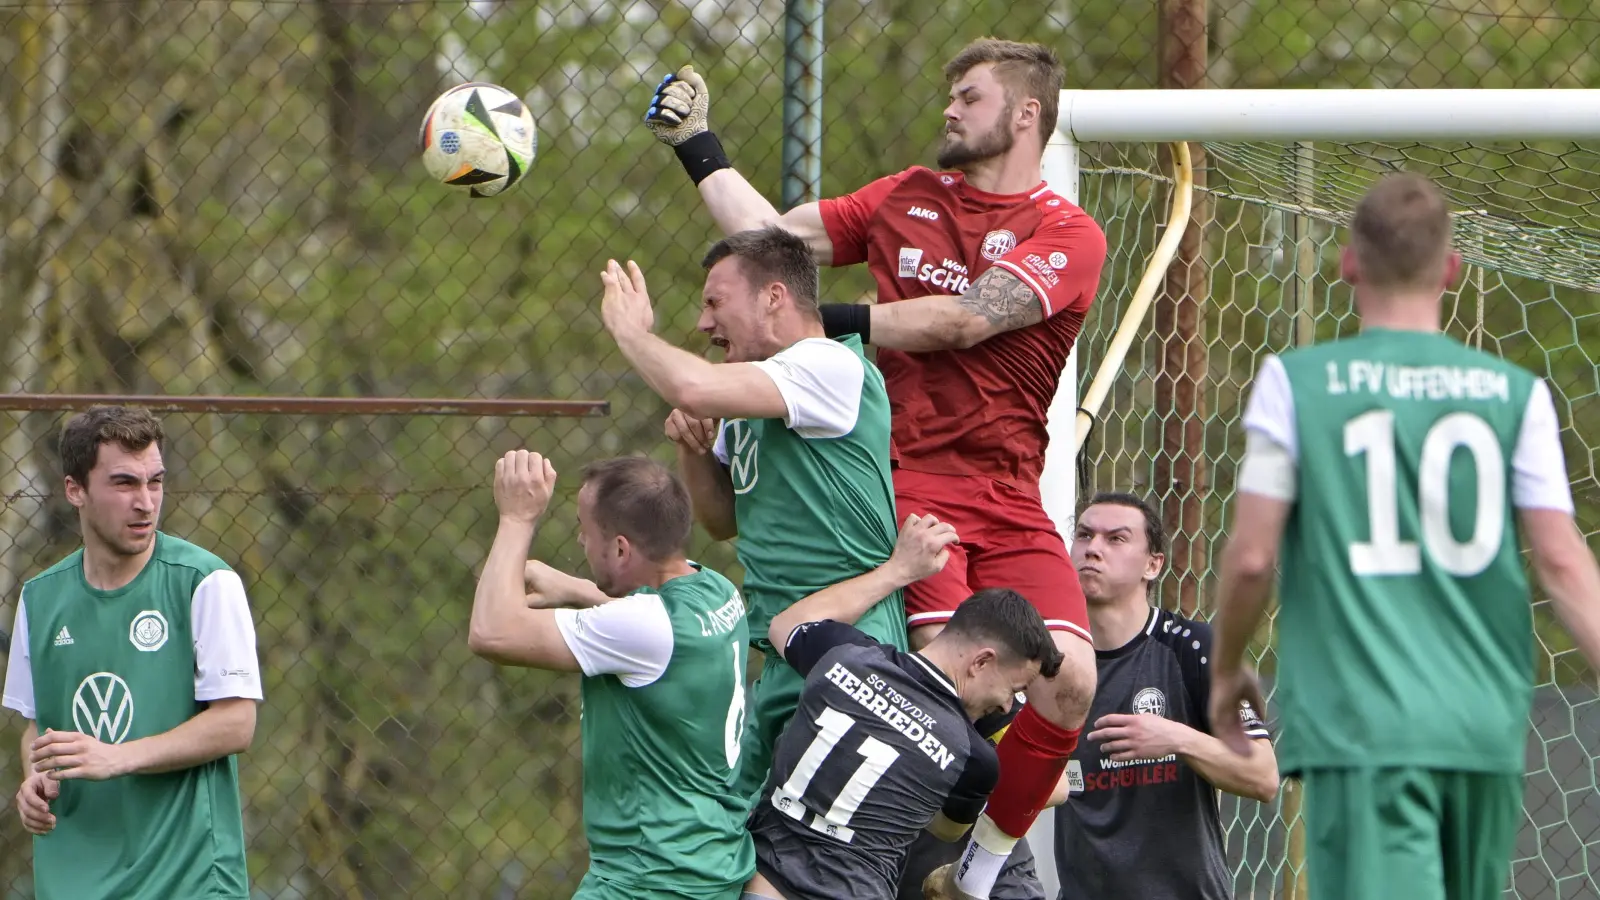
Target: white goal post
x,y
1336,116
1343,115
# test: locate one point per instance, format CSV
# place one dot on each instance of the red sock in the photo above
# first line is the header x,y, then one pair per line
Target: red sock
x,y
1033,754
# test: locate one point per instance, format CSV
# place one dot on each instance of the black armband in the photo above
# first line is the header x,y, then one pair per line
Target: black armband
x,y
701,155
847,318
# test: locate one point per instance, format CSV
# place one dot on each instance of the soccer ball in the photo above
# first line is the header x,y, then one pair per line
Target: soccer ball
x,y
478,137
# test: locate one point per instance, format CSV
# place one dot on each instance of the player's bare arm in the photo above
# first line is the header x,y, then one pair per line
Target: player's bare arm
x,y
921,550
701,388
679,116
997,302
223,728
1125,737
1567,571
36,791
709,485
551,588
1248,565
503,629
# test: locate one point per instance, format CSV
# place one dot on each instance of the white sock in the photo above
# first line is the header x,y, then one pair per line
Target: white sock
x,y
985,856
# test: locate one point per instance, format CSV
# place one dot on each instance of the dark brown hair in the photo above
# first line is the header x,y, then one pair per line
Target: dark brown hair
x,y
1155,531
1028,71
771,254
132,428
1401,231
642,500
1005,618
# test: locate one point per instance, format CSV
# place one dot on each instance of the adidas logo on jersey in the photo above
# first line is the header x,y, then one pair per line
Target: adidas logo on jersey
x,y
921,213
63,638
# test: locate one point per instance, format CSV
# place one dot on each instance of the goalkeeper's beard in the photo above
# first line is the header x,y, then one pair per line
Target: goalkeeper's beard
x,y
958,154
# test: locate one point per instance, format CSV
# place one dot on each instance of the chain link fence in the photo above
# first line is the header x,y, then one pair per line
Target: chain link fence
x,y
222,197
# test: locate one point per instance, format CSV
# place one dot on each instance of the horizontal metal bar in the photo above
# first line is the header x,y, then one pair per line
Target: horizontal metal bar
x,y
1334,114
312,406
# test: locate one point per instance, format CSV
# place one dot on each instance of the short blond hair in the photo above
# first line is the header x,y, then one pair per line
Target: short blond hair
x,y
1401,232
1028,71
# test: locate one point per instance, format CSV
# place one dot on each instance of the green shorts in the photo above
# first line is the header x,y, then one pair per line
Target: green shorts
x,y
1418,834
598,887
771,700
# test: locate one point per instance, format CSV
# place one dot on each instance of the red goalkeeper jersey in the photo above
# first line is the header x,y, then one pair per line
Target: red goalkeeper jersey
x,y
979,411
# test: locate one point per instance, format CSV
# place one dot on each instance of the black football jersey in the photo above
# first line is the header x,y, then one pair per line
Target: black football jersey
x,y
878,745
1146,828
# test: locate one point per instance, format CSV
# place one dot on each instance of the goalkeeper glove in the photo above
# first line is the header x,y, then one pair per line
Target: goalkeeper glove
x,y
680,107
678,116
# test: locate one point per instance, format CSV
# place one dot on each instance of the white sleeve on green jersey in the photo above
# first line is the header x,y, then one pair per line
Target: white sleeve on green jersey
x,y
1271,449
19,669
1538,469
225,664
1271,407
630,637
820,380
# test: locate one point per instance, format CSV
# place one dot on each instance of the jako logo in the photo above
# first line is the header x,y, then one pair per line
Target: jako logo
x,y
921,213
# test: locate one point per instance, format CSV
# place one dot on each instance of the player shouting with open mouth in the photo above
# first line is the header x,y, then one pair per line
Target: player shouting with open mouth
x,y
984,278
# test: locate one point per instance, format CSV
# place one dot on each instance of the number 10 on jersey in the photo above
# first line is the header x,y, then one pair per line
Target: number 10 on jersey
x,y
878,757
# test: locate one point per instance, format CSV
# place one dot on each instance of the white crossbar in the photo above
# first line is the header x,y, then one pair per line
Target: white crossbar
x,y
1342,115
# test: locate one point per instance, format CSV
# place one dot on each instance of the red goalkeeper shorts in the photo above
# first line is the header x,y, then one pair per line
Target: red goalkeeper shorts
x,y
1007,541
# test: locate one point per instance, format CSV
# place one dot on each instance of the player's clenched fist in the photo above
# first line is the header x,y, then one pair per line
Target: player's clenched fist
x,y
922,548
690,433
523,483
680,108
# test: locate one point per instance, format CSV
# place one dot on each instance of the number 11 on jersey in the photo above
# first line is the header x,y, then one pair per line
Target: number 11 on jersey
x,y
832,726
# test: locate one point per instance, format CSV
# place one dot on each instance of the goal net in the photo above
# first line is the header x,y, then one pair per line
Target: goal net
x,y
1264,277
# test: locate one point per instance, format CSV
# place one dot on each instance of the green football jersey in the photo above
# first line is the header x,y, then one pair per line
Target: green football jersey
x,y
814,498
659,759
1405,629
121,665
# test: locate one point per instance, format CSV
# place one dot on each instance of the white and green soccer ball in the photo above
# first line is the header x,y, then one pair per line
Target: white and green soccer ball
x,y
478,137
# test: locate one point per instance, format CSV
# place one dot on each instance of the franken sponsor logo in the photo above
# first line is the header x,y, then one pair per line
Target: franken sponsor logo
x,y
881,706
723,619
1361,376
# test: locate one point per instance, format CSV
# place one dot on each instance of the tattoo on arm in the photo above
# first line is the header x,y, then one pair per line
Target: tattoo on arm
x,y
1002,299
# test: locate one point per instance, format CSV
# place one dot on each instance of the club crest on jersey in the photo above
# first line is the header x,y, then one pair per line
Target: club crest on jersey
x,y
742,446
102,707
998,243
148,631
1150,702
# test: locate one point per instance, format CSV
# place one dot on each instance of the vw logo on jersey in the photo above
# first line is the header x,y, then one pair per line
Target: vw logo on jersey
x,y
998,243
742,445
1150,702
102,707
149,630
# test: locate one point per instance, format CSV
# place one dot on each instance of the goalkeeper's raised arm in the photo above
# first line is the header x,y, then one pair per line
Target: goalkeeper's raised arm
x,y
679,116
